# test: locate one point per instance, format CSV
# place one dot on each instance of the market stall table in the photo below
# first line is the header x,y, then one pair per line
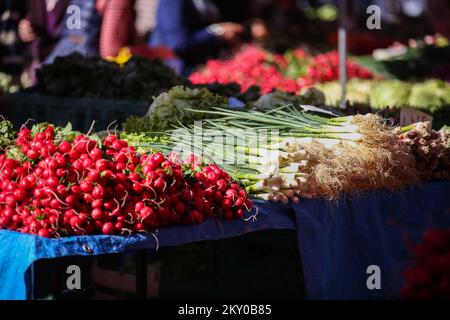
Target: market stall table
x,y
338,241
19,251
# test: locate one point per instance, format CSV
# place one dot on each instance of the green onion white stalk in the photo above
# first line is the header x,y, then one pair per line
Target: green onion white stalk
x,y
275,169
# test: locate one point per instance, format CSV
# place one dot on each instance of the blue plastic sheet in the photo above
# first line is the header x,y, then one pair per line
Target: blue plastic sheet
x,y
19,251
338,241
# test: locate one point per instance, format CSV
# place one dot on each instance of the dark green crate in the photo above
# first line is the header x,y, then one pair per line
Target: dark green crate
x,y
81,112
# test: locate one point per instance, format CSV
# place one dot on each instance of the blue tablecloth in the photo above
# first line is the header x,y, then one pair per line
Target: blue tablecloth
x,y
337,240
19,251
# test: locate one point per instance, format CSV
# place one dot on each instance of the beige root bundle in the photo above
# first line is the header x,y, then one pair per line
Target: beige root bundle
x,y
379,161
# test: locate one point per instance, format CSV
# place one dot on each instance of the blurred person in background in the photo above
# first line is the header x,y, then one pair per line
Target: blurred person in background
x,y
106,27
145,21
11,48
117,27
40,30
83,39
199,29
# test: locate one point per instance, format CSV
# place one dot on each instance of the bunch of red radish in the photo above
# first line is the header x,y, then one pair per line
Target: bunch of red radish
x,y
79,187
215,191
249,67
325,67
429,277
255,66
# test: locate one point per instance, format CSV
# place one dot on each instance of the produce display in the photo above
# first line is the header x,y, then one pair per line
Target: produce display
x,y
289,72
6,84
231,90
420,59
7,134
138,79
429,96
431,150
56,182
313,154
170,108
428,277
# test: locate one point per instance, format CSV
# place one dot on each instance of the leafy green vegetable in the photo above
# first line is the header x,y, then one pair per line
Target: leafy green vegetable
x,y
64,133
170,108
231,90
358,91
7,134
430,95
392,93
145,142
6,84
139,79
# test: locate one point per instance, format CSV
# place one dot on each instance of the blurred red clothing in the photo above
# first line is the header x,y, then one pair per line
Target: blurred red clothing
x,y
117,25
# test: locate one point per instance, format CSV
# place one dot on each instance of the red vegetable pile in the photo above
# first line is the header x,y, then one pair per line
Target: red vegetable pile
x,y
429,277
247,68
255,66
80,186
325,67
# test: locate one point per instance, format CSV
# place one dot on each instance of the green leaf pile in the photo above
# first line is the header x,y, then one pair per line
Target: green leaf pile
x,y
171,108
7,134
139,79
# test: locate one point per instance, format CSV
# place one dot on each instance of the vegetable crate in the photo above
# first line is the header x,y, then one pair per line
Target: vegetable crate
x,y
80,112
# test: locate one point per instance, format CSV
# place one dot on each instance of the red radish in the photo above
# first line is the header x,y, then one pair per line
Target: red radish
x,y
88,198
228,215
44,233
196,217
188,195
156,159
138,188
239,213
61,190
61,172
19,194
118,225
226,204
65,147
86,186
160,184
139,206
218,196
221,185
32,154
234,186
109,139
95,154
139,227
240,202
231,194
97,204
120,166
94,175
180,208
108,228
97,214
98,192
75,186
101,165
212,177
